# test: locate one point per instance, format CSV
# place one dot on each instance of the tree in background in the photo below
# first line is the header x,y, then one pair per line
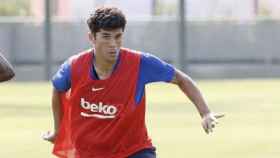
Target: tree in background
x,y
15,8
164,7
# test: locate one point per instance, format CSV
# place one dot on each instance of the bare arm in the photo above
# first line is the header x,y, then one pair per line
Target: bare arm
x,y
188,86
56,108
57,115
6,70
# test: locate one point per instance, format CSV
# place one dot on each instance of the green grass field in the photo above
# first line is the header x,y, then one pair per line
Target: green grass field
x,y
251,128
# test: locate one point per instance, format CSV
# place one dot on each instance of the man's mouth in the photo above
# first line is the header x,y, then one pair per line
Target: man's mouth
x,y
113,52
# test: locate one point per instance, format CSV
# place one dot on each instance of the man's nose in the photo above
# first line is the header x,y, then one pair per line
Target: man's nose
x,y
113,43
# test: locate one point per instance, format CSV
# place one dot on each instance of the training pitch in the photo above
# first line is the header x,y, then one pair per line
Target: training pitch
x,y
250,129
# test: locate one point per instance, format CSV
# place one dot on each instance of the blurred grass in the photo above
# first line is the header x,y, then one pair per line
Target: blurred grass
x,y
250,129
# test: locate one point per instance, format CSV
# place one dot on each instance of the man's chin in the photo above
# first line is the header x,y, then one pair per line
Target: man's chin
x,y
112,58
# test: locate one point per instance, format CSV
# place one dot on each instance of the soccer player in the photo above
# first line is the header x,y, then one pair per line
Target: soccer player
x,y
98,98
6,70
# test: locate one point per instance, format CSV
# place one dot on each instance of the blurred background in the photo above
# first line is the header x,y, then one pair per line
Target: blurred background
x,y
230,47
206,38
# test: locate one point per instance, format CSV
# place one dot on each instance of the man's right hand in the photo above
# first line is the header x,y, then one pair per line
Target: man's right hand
x,y
49,136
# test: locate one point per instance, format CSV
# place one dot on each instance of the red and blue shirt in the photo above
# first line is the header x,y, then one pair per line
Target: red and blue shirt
x,y
106,118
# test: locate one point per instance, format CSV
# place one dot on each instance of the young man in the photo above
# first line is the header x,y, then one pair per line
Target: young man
x,y
99,95
6,70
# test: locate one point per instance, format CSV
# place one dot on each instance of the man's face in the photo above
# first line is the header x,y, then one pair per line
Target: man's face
x,y
107,43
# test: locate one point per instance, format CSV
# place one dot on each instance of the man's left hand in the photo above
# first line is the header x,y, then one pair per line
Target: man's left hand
x,y
209,121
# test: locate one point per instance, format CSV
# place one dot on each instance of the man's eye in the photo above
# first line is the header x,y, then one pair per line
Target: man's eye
x,y
119,36
107,37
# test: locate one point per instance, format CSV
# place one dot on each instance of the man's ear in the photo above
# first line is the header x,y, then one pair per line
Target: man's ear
x,y
91,37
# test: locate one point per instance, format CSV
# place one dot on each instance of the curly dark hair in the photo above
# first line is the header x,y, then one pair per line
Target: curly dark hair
x,y
107,18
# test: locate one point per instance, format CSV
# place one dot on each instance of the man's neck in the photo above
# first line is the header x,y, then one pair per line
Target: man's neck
x,y
102,67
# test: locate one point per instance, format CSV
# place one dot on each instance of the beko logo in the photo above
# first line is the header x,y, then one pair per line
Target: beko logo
x,y
99,110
